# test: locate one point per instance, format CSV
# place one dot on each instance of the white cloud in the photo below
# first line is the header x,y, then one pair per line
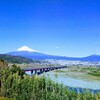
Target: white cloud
x,y
97,42
57,47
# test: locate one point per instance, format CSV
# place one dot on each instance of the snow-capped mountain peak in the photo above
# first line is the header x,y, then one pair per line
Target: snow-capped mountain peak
x,y
25,48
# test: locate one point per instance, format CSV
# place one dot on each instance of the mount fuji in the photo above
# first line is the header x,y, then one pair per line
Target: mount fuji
x,y
27,52
25,48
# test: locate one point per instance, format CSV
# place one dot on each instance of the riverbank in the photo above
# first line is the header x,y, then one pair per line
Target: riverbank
x,y
83,73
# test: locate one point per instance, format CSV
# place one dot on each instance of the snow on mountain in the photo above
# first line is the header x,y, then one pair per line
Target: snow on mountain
x,y
25,48
27,52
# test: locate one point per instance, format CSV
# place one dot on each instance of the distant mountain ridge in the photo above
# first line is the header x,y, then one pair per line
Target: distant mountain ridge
x,y
91,58
33,54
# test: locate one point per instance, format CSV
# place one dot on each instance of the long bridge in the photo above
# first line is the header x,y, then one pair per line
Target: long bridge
x,y
41,70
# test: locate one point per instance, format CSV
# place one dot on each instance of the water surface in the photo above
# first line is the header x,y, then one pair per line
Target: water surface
x,y
72,82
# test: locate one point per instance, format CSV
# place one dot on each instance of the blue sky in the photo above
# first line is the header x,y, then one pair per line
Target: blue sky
x,y
59,27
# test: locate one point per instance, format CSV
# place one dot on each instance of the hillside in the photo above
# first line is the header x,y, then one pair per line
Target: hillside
x,y
15,59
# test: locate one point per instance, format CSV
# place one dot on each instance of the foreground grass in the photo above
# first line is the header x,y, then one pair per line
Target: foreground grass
x,y
4,98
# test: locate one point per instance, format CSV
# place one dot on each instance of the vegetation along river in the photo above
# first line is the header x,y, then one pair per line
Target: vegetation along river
x,y
76,80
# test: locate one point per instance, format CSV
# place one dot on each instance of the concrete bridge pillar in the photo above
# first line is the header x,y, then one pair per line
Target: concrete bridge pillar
x,y
41,70
44,70
35,71
31,72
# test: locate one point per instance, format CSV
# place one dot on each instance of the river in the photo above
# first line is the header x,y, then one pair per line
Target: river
x,y
80,84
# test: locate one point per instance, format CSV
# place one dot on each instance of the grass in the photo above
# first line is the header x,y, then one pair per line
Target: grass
x,y
94,73
56,75
86,73
59,71
4,98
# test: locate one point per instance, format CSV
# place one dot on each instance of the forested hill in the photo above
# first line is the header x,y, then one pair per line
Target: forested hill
x,y
15,59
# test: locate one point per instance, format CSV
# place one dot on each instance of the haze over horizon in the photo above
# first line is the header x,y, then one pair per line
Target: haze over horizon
x,y
61,27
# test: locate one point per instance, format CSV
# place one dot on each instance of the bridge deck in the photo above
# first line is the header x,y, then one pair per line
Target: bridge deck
x,y
30,69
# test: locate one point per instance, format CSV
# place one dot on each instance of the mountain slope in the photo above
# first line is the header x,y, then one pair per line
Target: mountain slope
x,y
15,59
41,56
91,58
36,55
30,53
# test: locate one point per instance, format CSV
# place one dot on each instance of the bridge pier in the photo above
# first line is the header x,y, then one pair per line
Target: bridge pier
x,y
35,71
44,70
31,72
41,70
